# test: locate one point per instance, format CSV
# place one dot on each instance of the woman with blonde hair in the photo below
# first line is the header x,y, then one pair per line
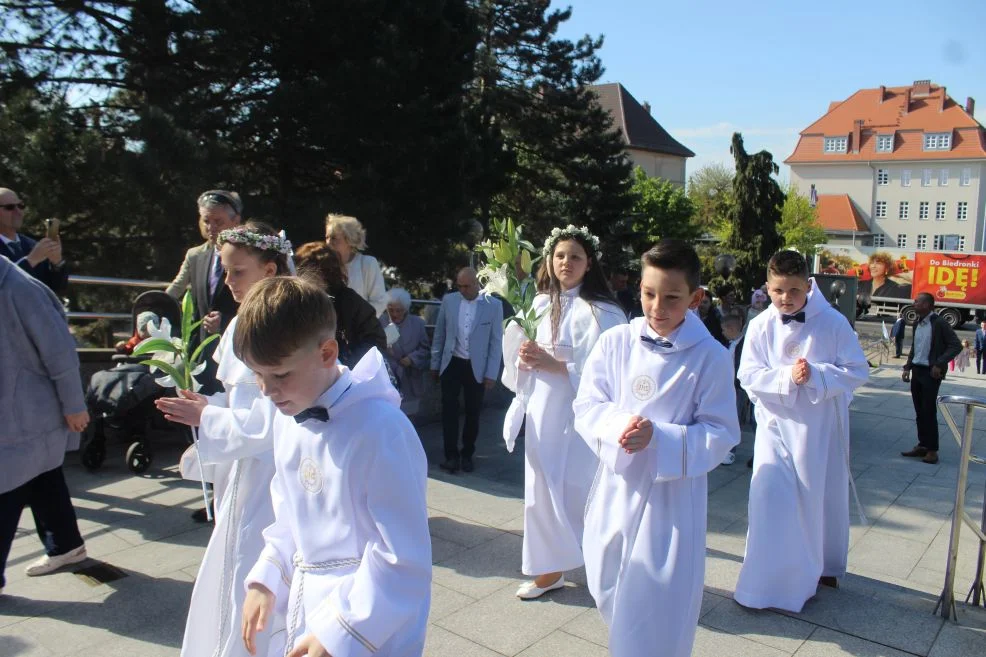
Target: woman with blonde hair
x,y
347,237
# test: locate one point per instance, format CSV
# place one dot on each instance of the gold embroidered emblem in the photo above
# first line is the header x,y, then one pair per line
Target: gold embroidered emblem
x,y
310,476
643,387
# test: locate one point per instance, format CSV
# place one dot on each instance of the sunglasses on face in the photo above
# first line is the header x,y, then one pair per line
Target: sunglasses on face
x,y
217,198
9,207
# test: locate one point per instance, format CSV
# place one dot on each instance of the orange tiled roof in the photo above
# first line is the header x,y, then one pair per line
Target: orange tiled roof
x,y
837,212
889,117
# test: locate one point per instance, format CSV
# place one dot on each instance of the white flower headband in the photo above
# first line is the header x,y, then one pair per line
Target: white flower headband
x,y
243,235
569,232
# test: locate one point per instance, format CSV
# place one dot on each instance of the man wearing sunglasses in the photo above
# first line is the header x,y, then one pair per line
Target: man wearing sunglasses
x,y
41,259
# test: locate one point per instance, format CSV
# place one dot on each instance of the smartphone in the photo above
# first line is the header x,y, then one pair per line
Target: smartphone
x,y
51,228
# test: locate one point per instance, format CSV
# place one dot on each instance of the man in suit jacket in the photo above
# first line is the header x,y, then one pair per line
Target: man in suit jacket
x,y
933,345
980,348
202,272
465,354
897,333
41,259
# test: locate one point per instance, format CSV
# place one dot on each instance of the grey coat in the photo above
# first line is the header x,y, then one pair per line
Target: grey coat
x,y
40,381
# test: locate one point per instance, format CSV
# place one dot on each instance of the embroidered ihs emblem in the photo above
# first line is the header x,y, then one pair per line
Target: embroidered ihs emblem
x,y
310,476
643,387
793,349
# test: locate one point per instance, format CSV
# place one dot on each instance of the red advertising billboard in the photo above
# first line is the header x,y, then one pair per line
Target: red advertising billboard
x,y
951,277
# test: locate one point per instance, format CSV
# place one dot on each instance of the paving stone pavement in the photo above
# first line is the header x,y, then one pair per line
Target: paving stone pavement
x,y
141,526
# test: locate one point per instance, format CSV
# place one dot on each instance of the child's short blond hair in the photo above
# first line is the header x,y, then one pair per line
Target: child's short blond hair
x,y
279,316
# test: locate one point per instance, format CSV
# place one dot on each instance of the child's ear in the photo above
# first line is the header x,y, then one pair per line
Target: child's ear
x,y
329,351
697,297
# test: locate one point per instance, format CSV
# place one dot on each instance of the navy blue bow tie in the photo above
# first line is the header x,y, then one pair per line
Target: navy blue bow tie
x,y
796,317
313,413
657,342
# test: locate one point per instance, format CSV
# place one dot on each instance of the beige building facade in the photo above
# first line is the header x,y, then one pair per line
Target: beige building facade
x,y
912,161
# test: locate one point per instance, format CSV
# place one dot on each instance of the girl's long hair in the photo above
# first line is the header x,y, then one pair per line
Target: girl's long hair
x,y
595,287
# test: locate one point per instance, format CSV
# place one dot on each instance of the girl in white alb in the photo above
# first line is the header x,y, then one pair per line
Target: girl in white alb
x,y
234,438
558,465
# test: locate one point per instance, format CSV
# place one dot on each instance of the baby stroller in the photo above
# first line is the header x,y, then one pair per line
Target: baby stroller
x,y
121,399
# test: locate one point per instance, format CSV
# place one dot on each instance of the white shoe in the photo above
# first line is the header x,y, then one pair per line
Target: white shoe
x,y
530,590
729,459
47,564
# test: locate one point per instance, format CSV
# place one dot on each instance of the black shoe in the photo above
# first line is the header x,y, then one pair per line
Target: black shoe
x,y
749,463
450,465
467,465
200,515
916,451
831,582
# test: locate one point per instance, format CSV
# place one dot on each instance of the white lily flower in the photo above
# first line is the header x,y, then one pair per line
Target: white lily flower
x,y
496,281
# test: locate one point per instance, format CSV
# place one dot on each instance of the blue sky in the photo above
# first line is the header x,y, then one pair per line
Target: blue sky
x,y
769,69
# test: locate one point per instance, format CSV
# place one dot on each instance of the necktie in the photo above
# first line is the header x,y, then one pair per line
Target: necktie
x,y
16,252
796,317
217,273
313,413
657,342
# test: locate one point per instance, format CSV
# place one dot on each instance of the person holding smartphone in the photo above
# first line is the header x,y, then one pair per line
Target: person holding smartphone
x,y
42,258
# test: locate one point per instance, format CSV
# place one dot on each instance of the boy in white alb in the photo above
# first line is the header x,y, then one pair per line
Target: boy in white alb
x,y
656,405
348,558
801,363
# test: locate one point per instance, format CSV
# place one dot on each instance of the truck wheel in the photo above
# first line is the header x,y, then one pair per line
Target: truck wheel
x,y
910,315
952,317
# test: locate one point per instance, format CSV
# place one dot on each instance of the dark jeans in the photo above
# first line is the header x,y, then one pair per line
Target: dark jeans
x,y
924,394
979,361
457,377
899,344
50,502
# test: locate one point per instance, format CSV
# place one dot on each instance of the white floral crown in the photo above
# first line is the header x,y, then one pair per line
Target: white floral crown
x,y
568,232
243,235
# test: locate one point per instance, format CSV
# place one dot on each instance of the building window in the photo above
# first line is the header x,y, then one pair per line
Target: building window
x,y
836,144
903,209
926,177
966,176
901,241
923,210
962,210
943,178
922,242
940,211
939,243
879,240
884,143
882,177
961,242
938,141
881,208
905,178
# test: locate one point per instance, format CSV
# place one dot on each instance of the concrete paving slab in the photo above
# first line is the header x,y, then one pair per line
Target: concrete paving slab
x,y
589,625
716,643
562,644
775,630
829,643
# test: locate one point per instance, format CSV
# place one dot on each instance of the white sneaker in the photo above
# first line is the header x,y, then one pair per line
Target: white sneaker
x,y
729,459
47,564
530,590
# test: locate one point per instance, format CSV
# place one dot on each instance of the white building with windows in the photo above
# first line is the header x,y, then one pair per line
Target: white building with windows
x,y
897,166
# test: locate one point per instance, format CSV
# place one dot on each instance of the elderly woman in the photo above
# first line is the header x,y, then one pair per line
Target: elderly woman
x,y
410,356
347,237
881,266
357,327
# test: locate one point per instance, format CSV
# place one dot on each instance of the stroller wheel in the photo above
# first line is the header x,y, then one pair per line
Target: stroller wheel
x,y
138,458
93,456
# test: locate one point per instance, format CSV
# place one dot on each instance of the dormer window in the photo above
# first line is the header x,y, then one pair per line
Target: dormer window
x,y
884,143
937,141
836,144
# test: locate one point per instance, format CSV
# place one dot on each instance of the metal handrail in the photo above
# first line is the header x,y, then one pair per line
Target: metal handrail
x,y
122,282
946,601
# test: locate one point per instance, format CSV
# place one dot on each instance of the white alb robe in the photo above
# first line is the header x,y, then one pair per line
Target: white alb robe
x,y
558,465
644,538
799,494
234,436
348,556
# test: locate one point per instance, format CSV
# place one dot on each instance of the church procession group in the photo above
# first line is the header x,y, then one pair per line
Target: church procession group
x,y
321,544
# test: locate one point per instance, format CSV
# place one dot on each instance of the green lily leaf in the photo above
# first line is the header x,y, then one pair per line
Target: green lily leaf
x,y
177,375
194,360
154,344
187,315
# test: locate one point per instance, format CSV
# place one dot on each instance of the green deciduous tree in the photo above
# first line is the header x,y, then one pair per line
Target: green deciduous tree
x,y
711,192
799,228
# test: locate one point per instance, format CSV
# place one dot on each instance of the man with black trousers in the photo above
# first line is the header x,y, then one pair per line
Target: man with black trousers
x,y
897,333
933,345
980,348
